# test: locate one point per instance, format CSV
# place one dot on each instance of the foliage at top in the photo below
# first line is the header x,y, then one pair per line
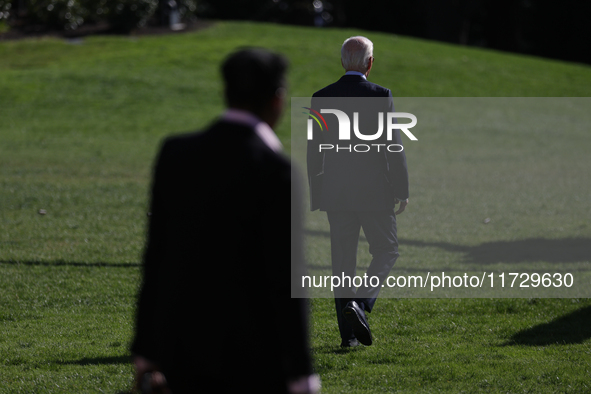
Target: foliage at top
x,y
122,15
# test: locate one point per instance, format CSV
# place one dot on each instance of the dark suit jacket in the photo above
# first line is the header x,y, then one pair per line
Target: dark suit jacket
x,y
355,181
214,308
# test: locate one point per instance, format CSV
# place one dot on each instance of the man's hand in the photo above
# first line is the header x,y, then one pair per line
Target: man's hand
x,y
305,385
402,207
148,379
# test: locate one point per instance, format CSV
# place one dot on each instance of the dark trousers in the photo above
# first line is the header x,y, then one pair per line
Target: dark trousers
x,y
380,231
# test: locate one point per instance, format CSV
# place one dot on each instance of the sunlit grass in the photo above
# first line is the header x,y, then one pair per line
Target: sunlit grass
x,y
79,128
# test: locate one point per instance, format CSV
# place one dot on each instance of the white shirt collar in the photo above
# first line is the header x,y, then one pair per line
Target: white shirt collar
x,y
262,129
356,73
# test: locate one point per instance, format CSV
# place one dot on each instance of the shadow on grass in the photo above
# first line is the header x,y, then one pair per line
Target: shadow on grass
x,y
565,250
337,349
568,329
99,361
70,263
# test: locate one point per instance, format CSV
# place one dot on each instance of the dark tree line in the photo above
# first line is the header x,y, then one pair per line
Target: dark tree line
x,y
549,28
121,15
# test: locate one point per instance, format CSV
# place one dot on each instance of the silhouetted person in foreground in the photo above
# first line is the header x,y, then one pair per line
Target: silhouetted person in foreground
x,y
214,313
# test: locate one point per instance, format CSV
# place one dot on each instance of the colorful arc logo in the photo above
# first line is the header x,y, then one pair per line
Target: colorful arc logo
x,y
315,118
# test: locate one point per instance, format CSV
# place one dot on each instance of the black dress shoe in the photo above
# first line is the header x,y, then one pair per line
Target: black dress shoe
x,y
356,318
350,343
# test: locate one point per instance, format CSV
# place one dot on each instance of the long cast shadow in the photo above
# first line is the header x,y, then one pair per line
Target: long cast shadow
x,y
568,329
564,250
70,263
99,360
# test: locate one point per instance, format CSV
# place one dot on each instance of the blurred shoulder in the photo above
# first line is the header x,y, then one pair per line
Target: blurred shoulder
x,y
212,134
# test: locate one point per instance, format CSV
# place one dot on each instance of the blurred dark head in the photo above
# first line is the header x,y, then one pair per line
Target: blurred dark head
x,y
255,81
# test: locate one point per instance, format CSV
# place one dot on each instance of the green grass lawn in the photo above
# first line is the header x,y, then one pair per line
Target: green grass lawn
x,y
79,128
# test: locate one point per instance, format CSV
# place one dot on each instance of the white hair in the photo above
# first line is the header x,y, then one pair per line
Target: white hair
x,y
355,53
